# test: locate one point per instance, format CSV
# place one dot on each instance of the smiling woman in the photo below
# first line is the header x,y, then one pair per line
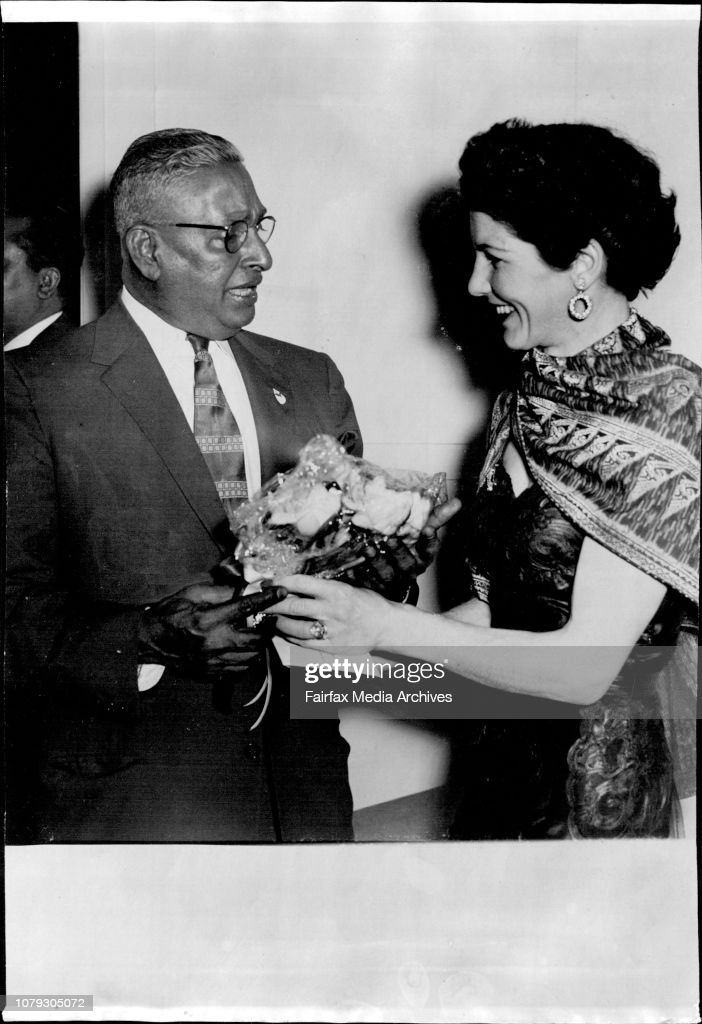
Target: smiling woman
x,y
569,224
584,528
530,296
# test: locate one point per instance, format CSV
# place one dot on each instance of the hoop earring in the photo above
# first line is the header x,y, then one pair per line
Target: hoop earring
x,y
576,312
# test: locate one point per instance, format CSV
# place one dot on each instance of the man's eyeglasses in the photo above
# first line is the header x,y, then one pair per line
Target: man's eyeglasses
x,y
235,235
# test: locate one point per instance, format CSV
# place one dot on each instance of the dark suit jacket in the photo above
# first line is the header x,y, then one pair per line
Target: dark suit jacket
x,y
111,508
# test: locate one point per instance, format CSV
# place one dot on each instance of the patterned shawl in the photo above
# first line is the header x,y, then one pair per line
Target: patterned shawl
x,y
612,436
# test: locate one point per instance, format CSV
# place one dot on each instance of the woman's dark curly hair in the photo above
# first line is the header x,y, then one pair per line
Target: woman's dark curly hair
x,y
560,185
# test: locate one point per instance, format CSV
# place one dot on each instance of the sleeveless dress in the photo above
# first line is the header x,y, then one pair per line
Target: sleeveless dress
x,y
537,768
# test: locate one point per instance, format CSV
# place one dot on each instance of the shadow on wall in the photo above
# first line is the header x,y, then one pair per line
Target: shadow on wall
x,y
102,253
468,326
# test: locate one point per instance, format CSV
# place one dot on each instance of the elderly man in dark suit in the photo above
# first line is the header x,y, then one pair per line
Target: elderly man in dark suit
x,y
42,254
141,670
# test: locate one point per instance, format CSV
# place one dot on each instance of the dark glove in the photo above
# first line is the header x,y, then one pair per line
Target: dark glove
x,y
203,628
391,567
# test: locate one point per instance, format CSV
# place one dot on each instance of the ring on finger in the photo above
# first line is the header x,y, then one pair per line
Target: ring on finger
x,y
318,630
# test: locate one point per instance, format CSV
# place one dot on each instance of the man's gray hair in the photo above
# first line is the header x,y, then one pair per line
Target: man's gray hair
x,y
155,161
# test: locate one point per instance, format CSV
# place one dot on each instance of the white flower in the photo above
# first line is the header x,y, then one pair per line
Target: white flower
x,y
382,510
417,519
348,476
309,512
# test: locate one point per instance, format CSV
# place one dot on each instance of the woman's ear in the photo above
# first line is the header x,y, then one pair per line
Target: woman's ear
x,y
141,244
589,266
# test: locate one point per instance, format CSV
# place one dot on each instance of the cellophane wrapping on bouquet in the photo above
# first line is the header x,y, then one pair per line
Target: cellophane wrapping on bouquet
x,y
320,517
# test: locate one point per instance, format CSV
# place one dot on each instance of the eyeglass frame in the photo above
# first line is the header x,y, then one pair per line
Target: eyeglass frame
x,y
227,229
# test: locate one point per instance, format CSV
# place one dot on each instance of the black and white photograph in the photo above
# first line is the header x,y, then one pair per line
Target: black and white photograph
x,y
352,401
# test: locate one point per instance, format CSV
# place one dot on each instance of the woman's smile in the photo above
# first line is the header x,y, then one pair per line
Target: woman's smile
x,y
529,296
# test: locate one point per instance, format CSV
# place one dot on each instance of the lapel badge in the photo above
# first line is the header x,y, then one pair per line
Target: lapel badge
x,y
279,397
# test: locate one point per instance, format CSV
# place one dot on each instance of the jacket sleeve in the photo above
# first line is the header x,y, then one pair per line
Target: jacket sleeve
x,y
54,638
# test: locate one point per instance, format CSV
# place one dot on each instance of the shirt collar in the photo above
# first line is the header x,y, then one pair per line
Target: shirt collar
x,y
27,336
162,336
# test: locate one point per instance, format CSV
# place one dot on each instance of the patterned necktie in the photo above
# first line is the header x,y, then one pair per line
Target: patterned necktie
x,y
216,430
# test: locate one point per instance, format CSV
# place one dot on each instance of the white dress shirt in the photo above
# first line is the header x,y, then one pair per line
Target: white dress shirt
x,y
28,336
177,360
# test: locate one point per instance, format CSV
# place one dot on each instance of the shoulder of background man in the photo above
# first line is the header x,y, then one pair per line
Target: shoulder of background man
x,y
58,329
63,349
49,336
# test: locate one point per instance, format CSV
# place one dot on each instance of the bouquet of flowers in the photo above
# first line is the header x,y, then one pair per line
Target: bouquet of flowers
x,y
321,516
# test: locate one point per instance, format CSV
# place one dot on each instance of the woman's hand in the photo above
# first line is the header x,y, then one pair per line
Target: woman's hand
x,y
324,614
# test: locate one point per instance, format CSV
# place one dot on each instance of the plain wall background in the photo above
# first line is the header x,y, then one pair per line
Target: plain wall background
x,y
349,128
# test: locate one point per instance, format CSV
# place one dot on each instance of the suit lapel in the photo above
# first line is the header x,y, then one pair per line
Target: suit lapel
x,y
134,376
271,395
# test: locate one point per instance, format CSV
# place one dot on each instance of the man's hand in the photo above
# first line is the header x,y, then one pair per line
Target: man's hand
x,y
392,567
204,628
428,541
